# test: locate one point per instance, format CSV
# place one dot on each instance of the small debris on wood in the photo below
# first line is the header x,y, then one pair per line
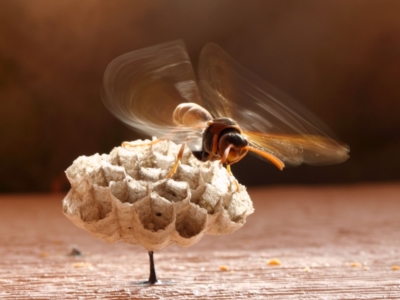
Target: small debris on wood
x,y
82,265
274,262
224,268
75,252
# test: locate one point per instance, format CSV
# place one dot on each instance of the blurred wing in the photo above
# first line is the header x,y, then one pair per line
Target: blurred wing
x,y
296,149
142,88
272,120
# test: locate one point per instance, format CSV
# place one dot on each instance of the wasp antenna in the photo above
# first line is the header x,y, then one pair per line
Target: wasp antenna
x,y
272,158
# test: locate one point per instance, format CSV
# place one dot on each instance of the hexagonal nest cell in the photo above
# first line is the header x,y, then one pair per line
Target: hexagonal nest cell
x,y
126,195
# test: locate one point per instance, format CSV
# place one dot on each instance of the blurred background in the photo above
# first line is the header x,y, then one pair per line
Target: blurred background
x,y
339,58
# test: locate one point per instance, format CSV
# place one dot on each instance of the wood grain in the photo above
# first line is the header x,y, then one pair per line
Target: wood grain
x,y
333,243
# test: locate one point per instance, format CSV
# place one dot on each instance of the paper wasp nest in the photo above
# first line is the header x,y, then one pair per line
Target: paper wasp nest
x,y
125,196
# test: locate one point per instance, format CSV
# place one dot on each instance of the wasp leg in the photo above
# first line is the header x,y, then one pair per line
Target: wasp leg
x,y
129,144
180,155
178,158
169,136
228,168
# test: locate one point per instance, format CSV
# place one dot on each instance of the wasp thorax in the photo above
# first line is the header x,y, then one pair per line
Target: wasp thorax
x,y
191,115
125,195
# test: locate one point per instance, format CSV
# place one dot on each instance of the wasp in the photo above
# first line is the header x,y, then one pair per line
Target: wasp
x,y
221,115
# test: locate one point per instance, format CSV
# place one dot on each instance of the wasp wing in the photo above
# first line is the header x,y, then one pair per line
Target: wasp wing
x,y
296,149
273,121
142,88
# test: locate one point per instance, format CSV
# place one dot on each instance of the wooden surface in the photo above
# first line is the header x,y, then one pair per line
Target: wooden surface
x,y
333,243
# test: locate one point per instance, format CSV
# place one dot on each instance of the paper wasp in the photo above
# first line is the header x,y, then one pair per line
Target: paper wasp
x,y
222,115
